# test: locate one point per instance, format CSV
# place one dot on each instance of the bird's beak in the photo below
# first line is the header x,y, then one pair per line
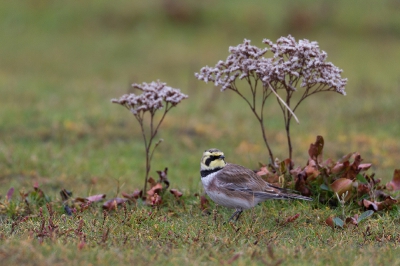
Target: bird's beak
x,y
222,157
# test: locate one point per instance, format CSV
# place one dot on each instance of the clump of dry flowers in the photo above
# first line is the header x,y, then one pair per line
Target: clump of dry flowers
x,y
154,96
293,66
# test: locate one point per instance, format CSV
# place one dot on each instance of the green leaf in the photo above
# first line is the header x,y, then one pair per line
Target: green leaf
x,y
338,222
324,187
365,215
361,178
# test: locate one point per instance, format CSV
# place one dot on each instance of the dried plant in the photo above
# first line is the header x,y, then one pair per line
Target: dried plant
x,y
155,96
293,65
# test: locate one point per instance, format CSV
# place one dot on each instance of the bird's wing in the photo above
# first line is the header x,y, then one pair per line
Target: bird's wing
x,y
237,177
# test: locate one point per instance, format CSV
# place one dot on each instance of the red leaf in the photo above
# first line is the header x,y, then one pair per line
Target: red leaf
x,y
151,181
96,198
155,189
113,203
329,221
311,170
204,203
163,177
79,199
364,166
342,185
291,219
352,220
369,205
345,158
315,150
154,200
263,171
134,196
362,189
394,184
300,184
353,170
176,193
386,204
10,193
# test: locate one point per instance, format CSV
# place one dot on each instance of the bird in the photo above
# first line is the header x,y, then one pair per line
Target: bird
x,y
235,186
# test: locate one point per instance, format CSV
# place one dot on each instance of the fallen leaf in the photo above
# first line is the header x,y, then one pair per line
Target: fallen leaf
x,y
346,158
353,170
291,219
80,199
394,184
386,204
155,189
301,186
204,203
134,196
341,185
340,167
9,194
379,194
65,194
151,181
364,166
362,189
154,200
113,203
352,220
315,150
329,221
263,171
163,177
176,193
369,205
311,170
96,198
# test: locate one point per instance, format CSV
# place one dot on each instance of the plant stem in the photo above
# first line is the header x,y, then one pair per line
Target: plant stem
x,y
149,152
260,118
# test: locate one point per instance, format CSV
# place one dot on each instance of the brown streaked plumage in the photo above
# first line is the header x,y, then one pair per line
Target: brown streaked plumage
x,y
235,186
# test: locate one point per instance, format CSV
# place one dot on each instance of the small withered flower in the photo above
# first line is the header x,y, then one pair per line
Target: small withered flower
x,y
155,96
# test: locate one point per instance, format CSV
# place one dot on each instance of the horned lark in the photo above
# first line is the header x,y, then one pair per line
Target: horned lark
x,y
235,186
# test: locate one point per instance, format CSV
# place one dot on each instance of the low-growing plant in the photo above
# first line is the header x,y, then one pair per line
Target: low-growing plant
x,y
294,66
337,183
155,96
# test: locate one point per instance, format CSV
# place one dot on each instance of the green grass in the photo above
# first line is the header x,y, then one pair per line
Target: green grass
x,y
61,63
173,235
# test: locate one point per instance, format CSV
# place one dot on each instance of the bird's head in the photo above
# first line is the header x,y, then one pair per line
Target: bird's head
x,y
212,159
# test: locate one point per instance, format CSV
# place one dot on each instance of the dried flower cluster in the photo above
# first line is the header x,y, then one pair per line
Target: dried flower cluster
x,y
153,97
292,65
303,60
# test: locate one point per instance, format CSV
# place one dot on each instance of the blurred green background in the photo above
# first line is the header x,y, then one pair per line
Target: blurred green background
x,y
62,61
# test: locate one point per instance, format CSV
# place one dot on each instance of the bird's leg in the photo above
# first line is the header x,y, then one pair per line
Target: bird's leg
x,y
237,214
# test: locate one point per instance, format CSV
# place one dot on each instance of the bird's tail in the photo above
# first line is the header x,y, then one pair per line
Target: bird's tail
x,y
291,194
280,193
296,196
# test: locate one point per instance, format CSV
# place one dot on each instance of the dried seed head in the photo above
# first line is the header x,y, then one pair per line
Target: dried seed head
x,y
291,61
154,96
